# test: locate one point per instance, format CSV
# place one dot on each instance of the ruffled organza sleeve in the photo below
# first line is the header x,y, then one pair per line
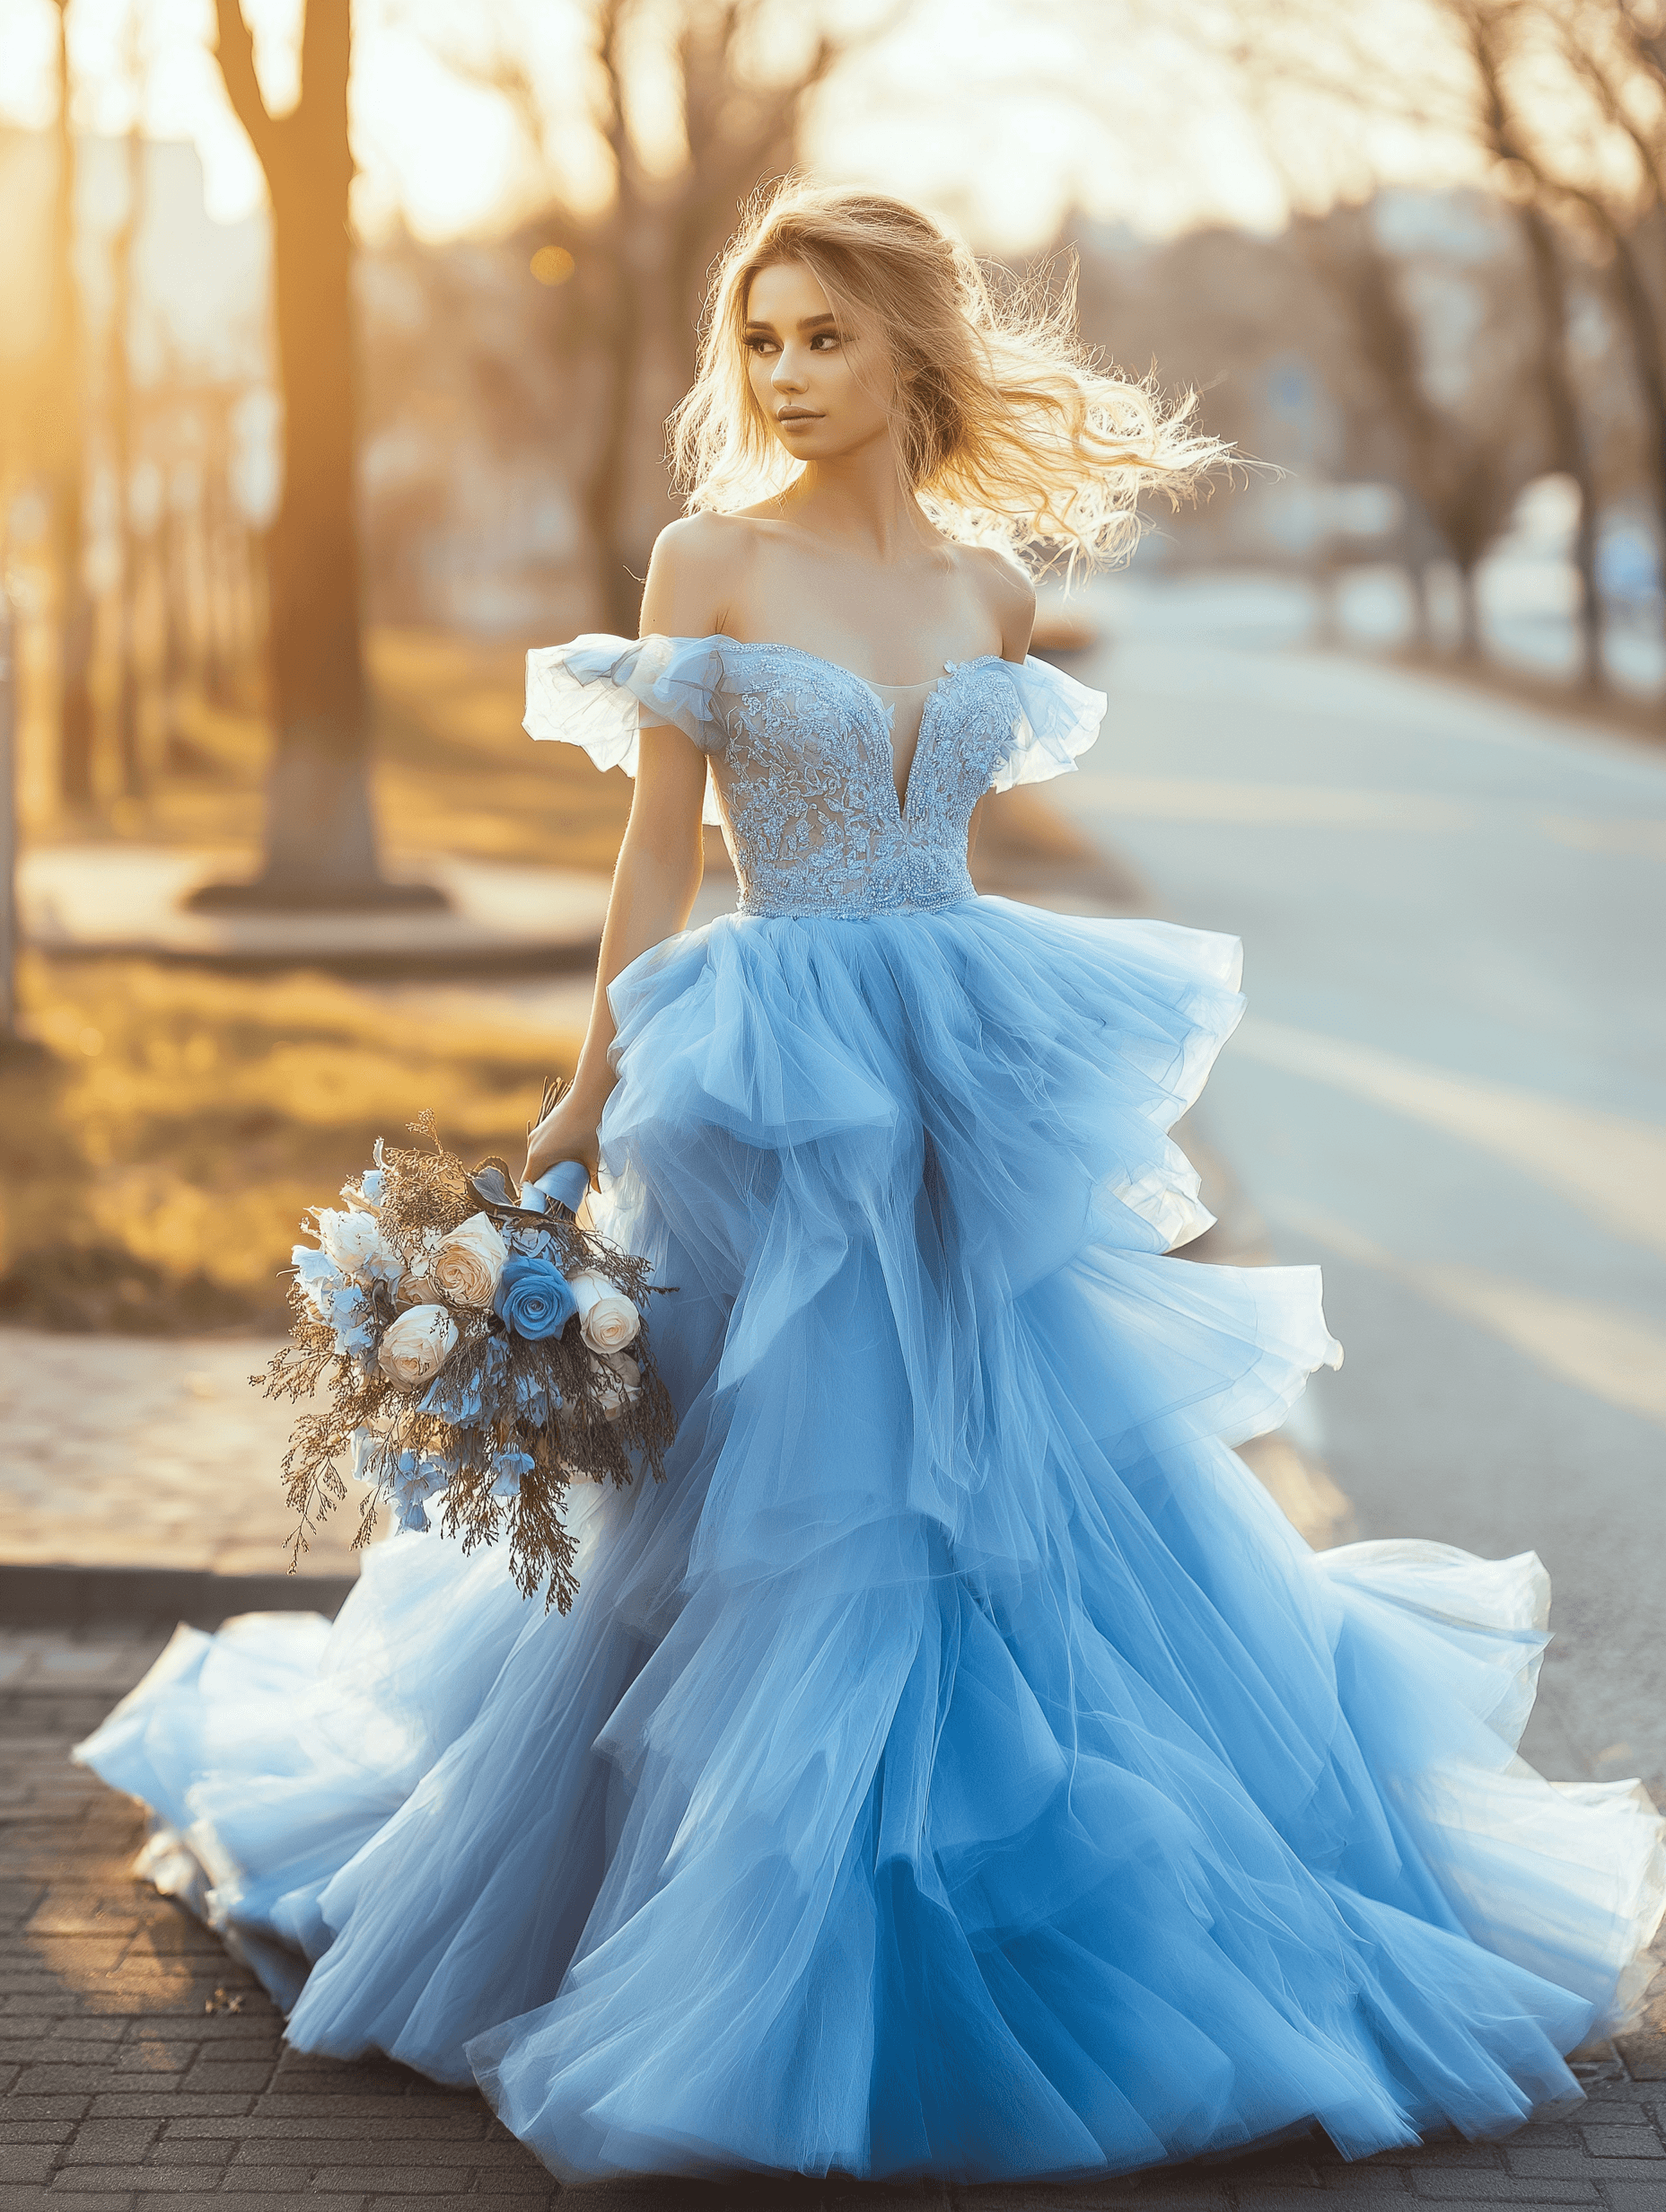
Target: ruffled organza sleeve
x,y
597,691
1057,719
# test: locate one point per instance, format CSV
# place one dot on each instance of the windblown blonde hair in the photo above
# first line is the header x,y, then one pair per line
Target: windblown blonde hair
x,y
1006,429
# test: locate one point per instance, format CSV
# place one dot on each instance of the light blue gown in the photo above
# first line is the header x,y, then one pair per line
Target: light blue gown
x,y
957,1765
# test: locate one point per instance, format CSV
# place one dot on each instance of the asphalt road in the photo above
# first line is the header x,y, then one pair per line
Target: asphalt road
x,y
1451,1089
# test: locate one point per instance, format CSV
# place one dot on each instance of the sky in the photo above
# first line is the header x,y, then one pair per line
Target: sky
x,y
998,114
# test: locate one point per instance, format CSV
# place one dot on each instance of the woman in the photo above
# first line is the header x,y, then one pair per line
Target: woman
x,y
956,1766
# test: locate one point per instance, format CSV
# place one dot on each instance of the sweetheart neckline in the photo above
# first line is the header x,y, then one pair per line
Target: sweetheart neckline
x,y
929,685
770,644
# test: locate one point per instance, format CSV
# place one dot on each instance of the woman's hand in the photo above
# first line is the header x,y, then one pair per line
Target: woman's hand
x,y
567,1132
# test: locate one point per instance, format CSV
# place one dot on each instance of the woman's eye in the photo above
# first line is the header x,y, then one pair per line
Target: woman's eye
x,y
823,339
761,345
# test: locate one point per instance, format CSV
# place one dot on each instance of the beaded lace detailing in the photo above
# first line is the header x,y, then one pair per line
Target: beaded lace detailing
x,y
800,753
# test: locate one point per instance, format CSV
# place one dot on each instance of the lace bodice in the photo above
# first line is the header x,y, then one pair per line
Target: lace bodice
x,y
802,778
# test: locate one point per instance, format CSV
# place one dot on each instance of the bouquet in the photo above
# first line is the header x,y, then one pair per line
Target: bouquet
x,y
482,1352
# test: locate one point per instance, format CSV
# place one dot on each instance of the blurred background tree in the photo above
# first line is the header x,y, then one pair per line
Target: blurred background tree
x,y
321,838
1459,439
59,405
732,79
1559,108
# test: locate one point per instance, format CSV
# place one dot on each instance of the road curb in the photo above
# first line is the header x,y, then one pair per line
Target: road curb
x,y
95,1597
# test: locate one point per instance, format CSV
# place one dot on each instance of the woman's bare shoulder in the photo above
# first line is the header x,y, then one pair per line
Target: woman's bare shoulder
x,y
1005,590
696,574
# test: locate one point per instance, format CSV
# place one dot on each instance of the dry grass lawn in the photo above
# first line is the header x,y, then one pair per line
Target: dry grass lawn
x,y
156,1161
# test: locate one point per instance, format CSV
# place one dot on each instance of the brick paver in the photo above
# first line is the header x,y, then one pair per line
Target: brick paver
x,y
141,2070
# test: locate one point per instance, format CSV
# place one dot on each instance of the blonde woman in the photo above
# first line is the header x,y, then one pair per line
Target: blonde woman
x,y
957,1767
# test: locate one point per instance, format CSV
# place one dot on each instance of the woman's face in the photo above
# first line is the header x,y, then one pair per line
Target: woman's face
x,y
824,386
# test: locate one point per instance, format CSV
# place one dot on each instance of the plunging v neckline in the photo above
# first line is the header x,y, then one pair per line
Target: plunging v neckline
x,y
931,688
929,685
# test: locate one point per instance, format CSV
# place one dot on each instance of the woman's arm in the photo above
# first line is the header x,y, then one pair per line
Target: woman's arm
x,y
661,859
1012,601
655,882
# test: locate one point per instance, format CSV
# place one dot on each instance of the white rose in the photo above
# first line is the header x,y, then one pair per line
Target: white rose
x,y
469,1262
622,1388
608,1320
417,1345
318,1274
354,1241
413,1289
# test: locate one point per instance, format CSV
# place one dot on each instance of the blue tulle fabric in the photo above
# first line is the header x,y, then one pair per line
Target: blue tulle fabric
x,y
957,1766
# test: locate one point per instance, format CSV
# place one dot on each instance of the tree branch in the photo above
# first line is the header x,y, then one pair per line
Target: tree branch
x,y
235,51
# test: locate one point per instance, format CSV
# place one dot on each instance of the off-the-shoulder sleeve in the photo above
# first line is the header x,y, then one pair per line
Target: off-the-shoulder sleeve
x,y
1057,719
597,691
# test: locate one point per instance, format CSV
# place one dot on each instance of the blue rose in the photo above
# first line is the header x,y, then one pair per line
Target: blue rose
x,y
533,1298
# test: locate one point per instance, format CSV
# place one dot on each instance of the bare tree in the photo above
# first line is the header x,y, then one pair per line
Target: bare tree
x,y
1487,27
664,234
1462,466
63,415
1615,53
1490,98
645,263
321,840
120,394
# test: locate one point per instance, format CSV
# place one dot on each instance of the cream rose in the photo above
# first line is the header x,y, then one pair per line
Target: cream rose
x,y
417,1345
608,1320
622,1387
413,1289
469,1262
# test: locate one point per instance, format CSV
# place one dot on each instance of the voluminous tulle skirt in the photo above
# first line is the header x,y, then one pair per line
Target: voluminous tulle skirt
x,y
957,1765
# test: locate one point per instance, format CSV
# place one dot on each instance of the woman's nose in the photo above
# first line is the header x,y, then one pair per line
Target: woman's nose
x,y
787,375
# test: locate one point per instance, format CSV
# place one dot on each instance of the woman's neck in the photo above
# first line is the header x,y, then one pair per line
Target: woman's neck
x,y
860,502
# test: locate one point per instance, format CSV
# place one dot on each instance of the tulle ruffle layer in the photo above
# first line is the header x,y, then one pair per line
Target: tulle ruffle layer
x,y
957,1765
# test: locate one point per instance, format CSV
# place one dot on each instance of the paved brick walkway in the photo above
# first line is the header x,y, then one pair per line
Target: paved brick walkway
x,y
141,2070
149,1452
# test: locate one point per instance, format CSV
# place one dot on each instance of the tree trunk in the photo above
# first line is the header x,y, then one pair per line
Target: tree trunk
x,y
320,839
607,486
64,408
665,233
320,835
1567,431
628,248
1469,613
127,754
1644,330
1422,622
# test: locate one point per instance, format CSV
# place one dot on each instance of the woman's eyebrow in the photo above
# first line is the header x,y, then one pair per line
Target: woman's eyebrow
x,y
806,322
